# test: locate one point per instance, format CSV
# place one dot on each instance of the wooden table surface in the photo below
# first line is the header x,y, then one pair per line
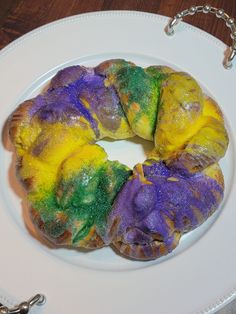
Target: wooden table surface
x,y
18,17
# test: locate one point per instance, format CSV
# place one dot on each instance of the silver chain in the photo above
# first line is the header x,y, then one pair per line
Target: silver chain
x,y
219,13
24,307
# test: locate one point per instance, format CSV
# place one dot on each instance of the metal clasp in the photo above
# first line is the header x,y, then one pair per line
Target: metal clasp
x,y
219,13
24,307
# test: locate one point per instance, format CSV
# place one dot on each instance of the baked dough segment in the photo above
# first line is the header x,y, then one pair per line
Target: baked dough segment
x,y
158,205
190,133
71,195
139,92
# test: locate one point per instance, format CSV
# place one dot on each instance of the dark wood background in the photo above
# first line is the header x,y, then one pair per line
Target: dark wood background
x,y
18,17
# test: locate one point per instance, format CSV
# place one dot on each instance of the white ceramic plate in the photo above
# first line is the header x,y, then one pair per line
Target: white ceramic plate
x,y
197,277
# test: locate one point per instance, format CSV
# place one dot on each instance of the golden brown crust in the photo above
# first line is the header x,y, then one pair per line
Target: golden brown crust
x,y
146,252
18,117
93,241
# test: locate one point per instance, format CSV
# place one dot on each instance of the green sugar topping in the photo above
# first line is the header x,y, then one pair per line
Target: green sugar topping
x,y
139,91
84,200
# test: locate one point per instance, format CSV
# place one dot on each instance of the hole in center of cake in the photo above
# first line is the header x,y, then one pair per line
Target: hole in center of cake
x,y
129,152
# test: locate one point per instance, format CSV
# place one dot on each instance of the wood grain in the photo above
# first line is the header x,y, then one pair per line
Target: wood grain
x,y
18,17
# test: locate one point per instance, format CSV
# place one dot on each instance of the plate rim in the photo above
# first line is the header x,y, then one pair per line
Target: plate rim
x,y
73,18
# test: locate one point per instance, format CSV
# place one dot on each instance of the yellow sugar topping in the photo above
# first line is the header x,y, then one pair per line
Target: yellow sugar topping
x,y
84,156
212,109
41,175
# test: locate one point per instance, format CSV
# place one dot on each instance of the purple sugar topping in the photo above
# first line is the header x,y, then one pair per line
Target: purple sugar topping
x,y
69,75
77,91
162,201
63,105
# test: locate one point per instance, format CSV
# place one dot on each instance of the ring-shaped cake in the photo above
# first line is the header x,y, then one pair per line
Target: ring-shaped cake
x,y
78,198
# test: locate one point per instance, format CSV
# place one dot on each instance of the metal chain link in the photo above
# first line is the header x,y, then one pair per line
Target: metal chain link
x,y
219,13
24,307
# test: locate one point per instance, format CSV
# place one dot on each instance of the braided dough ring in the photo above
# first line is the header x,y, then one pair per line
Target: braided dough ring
x,y
78,198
